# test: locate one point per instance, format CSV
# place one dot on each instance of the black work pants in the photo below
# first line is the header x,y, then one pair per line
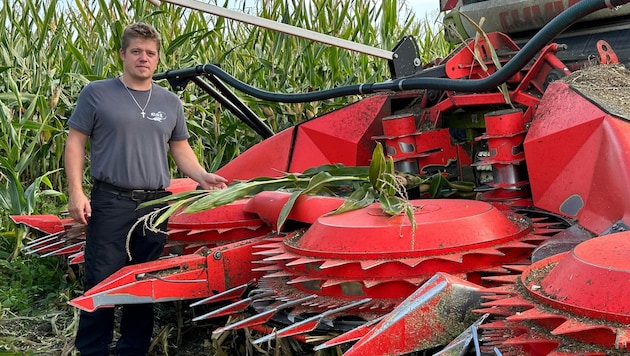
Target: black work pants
x,y
105,253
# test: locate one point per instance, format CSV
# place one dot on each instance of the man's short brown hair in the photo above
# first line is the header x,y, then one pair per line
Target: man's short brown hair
x,y
139,30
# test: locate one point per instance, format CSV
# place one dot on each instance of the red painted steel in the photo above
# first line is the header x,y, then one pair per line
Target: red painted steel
x,y
198,275
48,224
427,314
570,138
329,139
267,205
396,287
592,280
573,301
366,253
464,65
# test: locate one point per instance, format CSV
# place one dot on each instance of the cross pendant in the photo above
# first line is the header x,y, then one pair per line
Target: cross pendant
x,y
142,113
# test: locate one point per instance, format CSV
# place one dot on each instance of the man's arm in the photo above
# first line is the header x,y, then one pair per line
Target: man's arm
x,y
74,160
189,165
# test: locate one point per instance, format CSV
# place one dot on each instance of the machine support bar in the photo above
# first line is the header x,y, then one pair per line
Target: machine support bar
x,y
280,27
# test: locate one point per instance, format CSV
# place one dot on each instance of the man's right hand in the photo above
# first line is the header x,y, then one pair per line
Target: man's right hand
x,y
79,208
74,157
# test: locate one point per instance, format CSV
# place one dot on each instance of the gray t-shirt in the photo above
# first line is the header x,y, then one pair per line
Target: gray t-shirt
x,y
126,149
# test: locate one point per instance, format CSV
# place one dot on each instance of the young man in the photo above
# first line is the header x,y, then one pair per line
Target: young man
x,y
131,123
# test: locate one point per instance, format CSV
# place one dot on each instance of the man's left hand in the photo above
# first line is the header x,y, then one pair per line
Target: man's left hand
x,y
211,181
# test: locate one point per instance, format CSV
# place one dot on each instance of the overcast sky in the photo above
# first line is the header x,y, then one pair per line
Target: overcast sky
x,y
422,7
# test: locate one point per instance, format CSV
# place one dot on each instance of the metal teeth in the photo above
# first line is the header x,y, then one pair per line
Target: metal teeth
x,y
333,282
535,238
411,262
285,271
229,294
67,241
352,335
499,311
50,237
274,252
236,307
548,231
311,323
263,262
231,309
261,318
495,270
502,279
303,279
68,249
45,247
495,251
334,263
198,231
76,258
367,264
501,290
269,268
279,257
514,336
274,245
457,258
304,261
280,273
416,281
514,301
535,314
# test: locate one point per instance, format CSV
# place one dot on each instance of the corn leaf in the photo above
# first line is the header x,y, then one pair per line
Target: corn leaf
x,y
234,192
389,177
360,198
495,59
392,205
437,181
286,209
338,170
172,209
412,219
461,186
174,197
377,166
321,179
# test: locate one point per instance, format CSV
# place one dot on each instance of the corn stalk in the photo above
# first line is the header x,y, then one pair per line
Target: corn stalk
x,y
360,186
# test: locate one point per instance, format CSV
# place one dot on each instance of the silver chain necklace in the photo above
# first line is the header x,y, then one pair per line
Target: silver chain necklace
x,y
142,112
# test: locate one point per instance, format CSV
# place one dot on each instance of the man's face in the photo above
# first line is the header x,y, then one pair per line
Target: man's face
x,y
140,59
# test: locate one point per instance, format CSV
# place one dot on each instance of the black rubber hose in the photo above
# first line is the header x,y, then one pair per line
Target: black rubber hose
x,y
533,47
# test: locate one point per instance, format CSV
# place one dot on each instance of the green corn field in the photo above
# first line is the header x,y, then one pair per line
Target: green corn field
x,y
50,49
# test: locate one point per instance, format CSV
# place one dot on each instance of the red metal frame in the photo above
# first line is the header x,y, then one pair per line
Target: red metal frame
x,y
393,277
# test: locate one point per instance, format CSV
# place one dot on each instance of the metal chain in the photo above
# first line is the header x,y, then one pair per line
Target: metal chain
x,y
142,112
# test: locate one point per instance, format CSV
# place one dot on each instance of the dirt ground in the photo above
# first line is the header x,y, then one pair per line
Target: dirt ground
x,y
175,334
53,333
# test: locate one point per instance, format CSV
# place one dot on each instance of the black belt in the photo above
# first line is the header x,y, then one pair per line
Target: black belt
x,y
133,194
